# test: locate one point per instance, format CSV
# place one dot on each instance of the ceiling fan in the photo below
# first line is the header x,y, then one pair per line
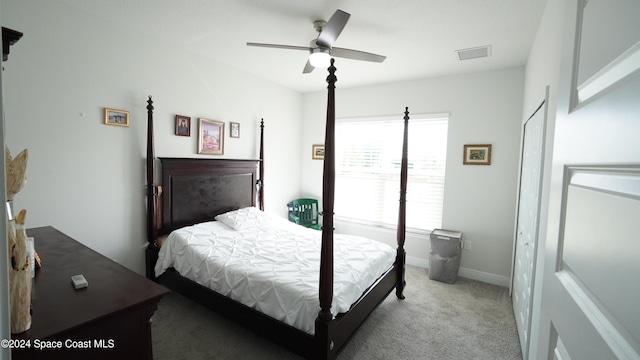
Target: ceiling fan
x,y
321,49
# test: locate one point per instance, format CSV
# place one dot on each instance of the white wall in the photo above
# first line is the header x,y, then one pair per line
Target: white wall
x,y
543,69
87,179
485,108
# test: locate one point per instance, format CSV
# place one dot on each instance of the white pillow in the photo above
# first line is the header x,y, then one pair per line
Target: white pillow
x,y
244,218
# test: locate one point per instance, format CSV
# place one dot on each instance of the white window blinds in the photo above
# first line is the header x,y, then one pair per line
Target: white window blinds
x,y
368,158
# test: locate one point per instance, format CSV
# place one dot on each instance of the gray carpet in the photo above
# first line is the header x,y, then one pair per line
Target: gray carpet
x,y
465,320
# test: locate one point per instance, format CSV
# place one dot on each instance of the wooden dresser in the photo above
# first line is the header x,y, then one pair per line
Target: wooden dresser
x,y
109,319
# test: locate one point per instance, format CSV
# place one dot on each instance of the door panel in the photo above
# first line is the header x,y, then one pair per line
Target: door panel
x,y
600,251
606,20
601,256
591,289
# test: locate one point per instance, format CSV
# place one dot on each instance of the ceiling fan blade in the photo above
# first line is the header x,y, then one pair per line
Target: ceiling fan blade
x,y
332,30
308,68
356,55
287,47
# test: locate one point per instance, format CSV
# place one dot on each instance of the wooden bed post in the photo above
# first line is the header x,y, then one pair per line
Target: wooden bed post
x,y
152,189
401,256
260,183
325,344
152,193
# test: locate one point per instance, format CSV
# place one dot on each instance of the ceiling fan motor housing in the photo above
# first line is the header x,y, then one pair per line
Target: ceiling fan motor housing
x,y
319,25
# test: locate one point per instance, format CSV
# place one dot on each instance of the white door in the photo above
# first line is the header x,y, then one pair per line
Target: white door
x,y
591,286
528,220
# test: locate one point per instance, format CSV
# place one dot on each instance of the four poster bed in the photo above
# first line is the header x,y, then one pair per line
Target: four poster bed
x,y
197,191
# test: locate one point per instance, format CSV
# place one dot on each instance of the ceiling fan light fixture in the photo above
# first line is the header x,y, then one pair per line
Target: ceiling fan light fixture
x,y
320,58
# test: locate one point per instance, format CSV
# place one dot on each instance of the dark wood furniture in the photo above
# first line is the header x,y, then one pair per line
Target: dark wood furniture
x,y
111,316
9,37
331,332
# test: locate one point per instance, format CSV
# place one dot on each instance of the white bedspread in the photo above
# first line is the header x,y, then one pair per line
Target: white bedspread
x,y
274,268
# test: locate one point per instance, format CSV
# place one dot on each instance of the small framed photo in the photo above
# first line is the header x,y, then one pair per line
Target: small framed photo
x,y
317,151
477,155
210,137
234,129
183,125
116,117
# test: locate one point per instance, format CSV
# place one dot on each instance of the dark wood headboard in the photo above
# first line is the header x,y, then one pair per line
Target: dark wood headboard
x,y
196,190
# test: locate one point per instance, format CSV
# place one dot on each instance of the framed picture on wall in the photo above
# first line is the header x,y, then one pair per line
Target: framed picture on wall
x,y
210,137
116,117
183,125
477,155
234,129
317,151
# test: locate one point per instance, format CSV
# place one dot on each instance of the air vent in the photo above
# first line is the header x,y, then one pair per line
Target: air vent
x,y
474,53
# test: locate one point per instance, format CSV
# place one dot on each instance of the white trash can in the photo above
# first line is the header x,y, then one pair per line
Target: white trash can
x,y
444,258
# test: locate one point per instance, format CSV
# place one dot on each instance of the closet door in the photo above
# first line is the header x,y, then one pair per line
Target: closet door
x,y
528,222
591,288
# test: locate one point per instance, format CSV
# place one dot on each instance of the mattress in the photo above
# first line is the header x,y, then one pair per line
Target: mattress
x,y
273,265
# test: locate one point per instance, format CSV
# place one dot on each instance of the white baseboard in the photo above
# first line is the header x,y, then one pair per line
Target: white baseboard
x,y
484,277
466,273
414,261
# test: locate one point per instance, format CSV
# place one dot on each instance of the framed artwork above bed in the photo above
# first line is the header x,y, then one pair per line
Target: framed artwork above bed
x,y
234,130
210,137
183,125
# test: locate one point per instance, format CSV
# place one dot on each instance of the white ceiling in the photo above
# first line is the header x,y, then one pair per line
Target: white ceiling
x,y
419,37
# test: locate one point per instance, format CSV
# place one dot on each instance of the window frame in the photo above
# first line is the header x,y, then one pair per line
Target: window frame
x,y
381,120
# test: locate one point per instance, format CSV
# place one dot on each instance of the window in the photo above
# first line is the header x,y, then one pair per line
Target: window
x,y
368,159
